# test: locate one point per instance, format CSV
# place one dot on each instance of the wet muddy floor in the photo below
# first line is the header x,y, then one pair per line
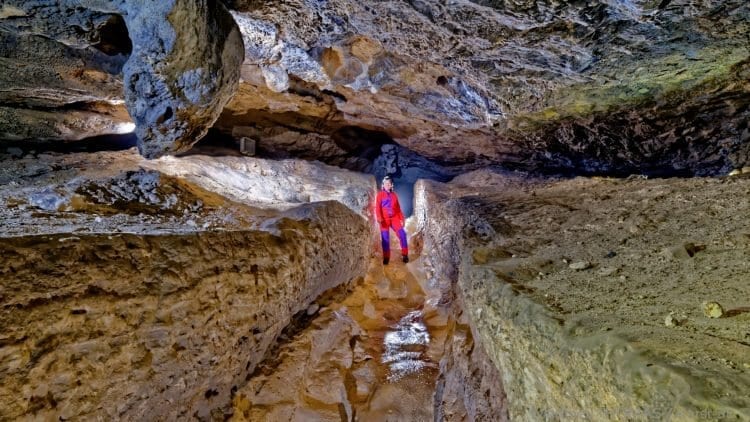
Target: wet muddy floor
x,y
372,356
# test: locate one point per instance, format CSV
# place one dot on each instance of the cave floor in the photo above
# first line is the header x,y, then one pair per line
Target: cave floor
x,y
633,258
372,356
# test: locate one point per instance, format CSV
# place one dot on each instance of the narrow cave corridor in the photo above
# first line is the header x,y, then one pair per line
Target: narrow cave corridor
x,y
370,354
188,230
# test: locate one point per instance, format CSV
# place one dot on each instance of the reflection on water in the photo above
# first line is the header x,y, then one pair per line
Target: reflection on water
x,y
406,347
371,356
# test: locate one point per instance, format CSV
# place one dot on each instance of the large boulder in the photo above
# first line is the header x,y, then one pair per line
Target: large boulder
x,y
184,68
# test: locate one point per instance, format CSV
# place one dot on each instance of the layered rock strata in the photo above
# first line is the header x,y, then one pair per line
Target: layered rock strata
x,y
588,305
595,87
272,184
129,293
56,84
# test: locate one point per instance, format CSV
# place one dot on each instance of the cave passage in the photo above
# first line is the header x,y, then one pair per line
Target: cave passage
x,y
384,339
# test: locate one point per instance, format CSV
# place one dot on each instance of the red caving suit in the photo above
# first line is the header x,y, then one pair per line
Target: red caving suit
x,y
389,215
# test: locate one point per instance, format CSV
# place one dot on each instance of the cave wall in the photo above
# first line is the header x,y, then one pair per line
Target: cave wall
x,y
556,361
128,326
173,65
130,293
597,87
57,85
470,385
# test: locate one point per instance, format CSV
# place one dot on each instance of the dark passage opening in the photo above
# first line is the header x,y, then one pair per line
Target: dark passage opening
x,y
114,38
92,144
359,142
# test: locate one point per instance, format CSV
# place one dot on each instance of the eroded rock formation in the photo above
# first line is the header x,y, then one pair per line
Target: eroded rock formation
x,y
470,386
596,87
175,64
643,86
183,70
129,293
59,83
134,288
586,294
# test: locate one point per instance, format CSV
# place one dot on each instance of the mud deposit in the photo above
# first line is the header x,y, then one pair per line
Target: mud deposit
x,y
372,356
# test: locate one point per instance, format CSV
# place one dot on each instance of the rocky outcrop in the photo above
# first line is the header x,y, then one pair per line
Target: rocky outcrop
x,y
129,293
600,87
587,305
596,87
182,67
309,378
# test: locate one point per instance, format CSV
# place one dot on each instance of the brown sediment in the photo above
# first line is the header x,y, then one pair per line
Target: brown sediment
x,y
377,350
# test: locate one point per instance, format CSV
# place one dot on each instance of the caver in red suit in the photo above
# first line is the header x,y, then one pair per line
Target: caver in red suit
x,y
389,215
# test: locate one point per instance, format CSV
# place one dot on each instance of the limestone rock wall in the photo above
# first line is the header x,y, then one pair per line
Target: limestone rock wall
x,y
575,338
158,326
322,67
174,65
273,184
595,87
59,84
470,386
131,294
598,87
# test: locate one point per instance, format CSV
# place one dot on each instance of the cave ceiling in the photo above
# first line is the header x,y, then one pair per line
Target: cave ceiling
x,y
588,86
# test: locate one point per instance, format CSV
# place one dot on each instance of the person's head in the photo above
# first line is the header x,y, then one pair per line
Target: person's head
x,y
388,183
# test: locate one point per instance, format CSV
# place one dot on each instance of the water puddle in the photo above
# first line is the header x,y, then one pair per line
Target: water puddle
x,y
372,356
406,347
